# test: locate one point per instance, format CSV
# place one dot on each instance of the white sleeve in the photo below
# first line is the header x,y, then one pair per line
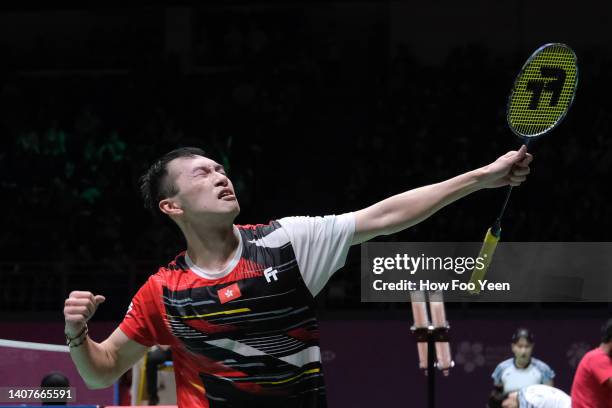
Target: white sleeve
x,y
320,245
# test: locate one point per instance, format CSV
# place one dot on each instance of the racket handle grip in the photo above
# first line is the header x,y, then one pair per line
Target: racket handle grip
x,y
486,254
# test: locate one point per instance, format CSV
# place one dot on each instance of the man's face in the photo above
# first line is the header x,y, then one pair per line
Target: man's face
x,y
203,188
522,350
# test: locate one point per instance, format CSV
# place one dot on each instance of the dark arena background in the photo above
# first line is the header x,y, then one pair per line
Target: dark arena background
x,y
314,108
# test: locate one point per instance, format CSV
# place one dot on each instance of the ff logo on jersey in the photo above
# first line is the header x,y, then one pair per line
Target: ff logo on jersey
x,y
228,293
270,274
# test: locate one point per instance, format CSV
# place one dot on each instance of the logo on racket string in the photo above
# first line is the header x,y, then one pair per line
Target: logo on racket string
x,y
553,79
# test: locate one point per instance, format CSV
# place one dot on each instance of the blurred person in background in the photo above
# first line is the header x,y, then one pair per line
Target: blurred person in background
x,y
157,356
522,370
534,396
592,386
54,379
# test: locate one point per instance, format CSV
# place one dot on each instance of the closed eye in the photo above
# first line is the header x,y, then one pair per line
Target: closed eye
x,y
201,171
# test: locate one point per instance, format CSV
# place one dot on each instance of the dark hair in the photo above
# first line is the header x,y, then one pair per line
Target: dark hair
x,y
522,333
54,379
606,331
154,184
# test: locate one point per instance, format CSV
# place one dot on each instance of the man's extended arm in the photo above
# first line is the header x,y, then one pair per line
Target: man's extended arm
x,y
411,207
100,364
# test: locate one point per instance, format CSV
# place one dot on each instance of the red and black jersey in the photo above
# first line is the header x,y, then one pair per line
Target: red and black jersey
x,y
248,338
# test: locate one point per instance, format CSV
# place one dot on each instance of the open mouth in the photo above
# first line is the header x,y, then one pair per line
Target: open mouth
x,y
226,194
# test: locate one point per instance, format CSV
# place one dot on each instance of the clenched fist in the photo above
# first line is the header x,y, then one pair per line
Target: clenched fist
x,y
78,309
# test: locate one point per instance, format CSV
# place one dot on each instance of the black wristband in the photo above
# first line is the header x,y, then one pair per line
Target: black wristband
x,y
73,345
69,339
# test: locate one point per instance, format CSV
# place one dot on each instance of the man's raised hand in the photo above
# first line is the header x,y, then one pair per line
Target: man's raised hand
x,y
78,309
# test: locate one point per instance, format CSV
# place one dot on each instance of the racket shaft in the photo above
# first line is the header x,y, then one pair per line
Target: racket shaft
x,y
486,254
503,210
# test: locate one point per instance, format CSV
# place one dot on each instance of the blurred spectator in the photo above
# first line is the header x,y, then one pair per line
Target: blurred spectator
x,y
156,357
592,386
55,379
315,114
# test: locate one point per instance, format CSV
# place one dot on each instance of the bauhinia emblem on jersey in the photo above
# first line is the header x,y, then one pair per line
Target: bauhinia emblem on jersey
x,y
270,274
228,293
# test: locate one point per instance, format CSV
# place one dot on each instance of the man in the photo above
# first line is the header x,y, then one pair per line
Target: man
x,y
536,396
523,370
237,307
592,386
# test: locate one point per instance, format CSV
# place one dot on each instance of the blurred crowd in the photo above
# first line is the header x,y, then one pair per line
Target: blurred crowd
x,y
305,122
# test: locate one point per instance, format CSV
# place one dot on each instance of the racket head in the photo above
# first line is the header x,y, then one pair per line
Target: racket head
x,y
543,91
